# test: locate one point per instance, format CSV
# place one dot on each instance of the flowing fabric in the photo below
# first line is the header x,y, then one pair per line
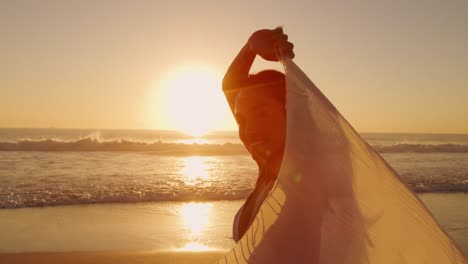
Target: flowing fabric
x,y
335,199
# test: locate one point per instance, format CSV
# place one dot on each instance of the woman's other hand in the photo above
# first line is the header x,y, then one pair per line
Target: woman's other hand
x,y
269,44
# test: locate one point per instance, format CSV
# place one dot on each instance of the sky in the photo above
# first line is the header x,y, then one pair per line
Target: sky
x,y
388,66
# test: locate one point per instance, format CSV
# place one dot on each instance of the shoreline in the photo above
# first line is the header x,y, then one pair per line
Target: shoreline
x,y
419,193
112,257
153,231
147,227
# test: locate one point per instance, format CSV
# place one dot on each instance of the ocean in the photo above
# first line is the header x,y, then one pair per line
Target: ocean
x,y
49,167
166,191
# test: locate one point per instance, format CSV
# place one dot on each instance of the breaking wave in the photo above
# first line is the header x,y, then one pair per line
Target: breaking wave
x,y
121,194
91,144
422,148
132,193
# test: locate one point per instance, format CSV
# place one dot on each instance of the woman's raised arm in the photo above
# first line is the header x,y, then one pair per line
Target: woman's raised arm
x,y
265,43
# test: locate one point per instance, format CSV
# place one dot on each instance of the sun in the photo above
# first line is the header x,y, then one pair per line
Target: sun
x,y
192,100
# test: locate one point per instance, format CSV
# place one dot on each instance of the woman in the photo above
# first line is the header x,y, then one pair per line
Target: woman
x,y
258,104
336,200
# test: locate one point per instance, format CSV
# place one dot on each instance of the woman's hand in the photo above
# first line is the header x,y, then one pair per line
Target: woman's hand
x,y
271,44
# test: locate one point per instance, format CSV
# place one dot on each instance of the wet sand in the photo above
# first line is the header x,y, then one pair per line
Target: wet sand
x,y
112,257
160,232
154,227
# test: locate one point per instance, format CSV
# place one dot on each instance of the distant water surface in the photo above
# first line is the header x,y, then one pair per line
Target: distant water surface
x,y
42,167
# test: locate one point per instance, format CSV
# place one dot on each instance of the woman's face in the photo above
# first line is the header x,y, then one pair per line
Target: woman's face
x,y
262,124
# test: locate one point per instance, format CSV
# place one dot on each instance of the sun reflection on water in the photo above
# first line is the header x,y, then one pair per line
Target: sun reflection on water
x,y
196,216
195,247
195,169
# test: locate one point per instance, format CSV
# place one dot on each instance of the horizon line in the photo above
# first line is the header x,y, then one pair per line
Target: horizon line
x,y
221,130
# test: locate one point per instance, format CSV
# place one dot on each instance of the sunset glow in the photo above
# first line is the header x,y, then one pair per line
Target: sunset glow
x,y
191,100
159,64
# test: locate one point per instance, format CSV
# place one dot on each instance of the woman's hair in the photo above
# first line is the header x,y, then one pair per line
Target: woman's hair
x,y
273,82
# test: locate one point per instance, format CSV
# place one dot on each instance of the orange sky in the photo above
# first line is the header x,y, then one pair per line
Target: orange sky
x,y
393,66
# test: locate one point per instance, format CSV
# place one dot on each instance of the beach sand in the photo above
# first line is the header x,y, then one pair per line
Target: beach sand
x,y
451,212
159,232
148,227
112,257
